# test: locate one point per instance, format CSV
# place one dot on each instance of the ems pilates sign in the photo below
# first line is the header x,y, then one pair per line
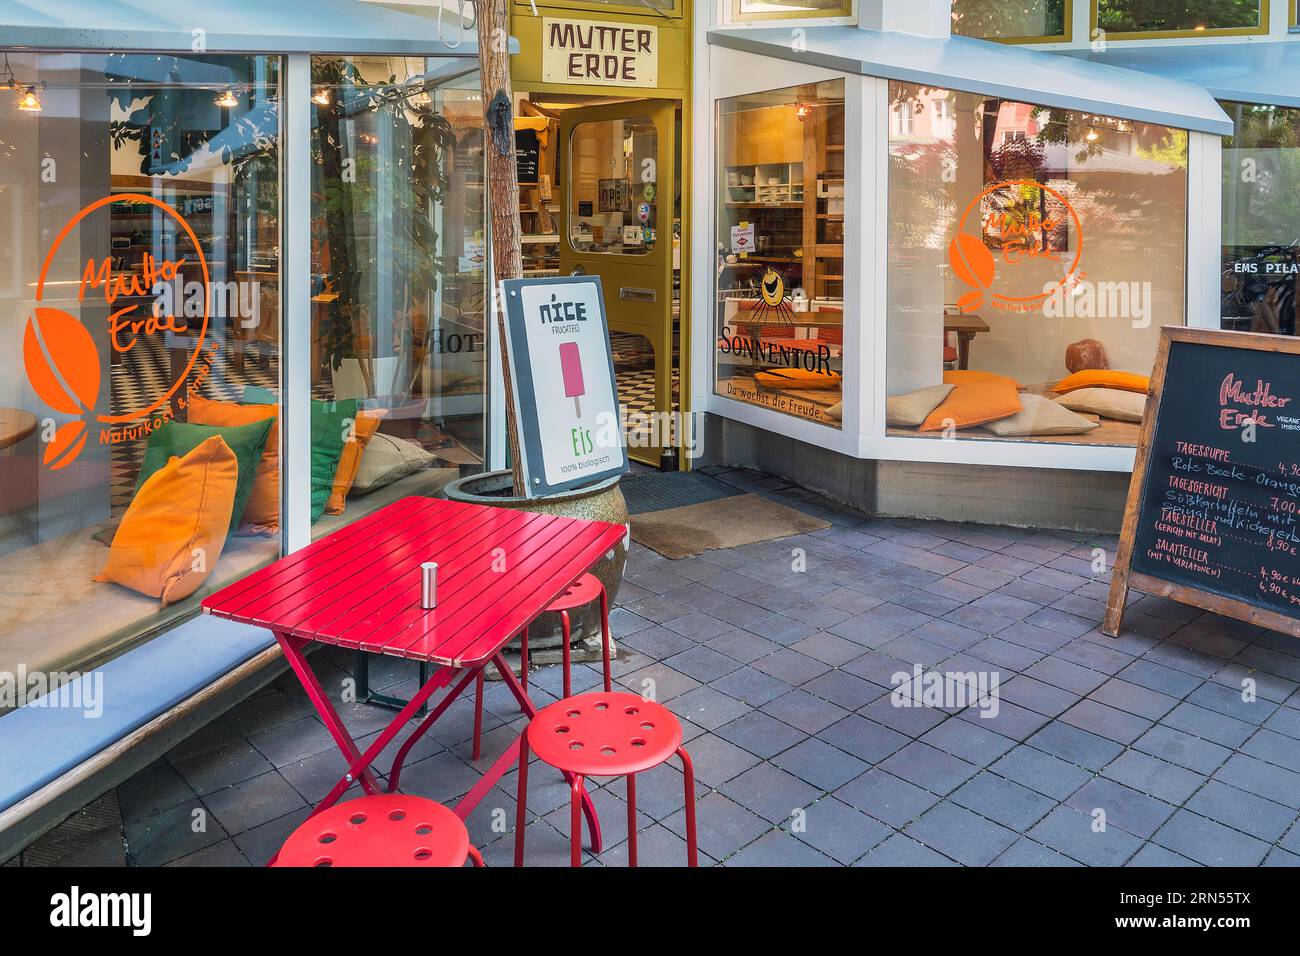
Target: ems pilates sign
x,y
566,399
589,53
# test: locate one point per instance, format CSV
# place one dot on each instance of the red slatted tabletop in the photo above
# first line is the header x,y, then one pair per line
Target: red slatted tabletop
x,y
360,588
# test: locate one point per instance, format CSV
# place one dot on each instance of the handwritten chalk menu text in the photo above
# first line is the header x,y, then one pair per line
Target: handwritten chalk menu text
x,y
1214,513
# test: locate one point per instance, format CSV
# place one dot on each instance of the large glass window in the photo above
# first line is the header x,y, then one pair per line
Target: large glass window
x,y
1012,19
789,9
1261,219
139,298
607,213
1028,244
1153,17
399,343
780,250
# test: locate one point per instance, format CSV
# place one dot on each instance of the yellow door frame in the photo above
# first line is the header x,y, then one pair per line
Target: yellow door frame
x,y
675,60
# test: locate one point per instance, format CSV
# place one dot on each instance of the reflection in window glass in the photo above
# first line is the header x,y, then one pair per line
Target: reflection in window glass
x,y
399,358
780,323
790,9
1261,219
139,297
1009,19
607,214
1026,244
1156,16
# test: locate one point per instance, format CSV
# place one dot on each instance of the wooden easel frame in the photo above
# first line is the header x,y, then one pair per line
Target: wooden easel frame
x,y
1123,577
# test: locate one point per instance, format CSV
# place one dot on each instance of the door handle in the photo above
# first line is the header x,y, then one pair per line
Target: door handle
x,y
637,294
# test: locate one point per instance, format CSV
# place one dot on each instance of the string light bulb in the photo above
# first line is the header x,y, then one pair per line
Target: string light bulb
x,y
29,102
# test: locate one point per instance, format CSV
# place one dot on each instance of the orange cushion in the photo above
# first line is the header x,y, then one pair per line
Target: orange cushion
x,y
262,514
1104,378
778,378
172,534
363,429
974,404
970,377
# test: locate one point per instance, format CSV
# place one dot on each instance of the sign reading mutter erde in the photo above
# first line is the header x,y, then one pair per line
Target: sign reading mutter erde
x,y
1213,512
566,399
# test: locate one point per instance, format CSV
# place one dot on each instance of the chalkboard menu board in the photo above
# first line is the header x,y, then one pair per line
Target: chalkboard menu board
x,y
527,156
1213,513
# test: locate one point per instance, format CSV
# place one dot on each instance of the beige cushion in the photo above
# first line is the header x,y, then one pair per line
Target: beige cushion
x,y
1040,416
1116,403
915,407
836,411
386,459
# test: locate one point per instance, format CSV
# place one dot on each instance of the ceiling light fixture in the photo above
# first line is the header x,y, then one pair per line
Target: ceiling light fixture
x,y
29,102
227,100
1092,136
321,97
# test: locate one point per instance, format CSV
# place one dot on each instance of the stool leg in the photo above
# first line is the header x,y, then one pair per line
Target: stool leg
x,y
521,802
476,856
631,819
575,821
688,774
478,714
564,630
605,638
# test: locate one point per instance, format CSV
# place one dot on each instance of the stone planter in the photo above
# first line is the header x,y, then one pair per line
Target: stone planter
x,y
599,502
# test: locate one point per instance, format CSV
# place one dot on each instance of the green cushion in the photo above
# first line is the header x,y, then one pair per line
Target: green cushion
x,y
328,427
180,438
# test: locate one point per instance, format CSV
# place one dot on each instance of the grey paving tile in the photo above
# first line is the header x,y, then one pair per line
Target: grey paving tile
x,y
804,711
723,826
658,682
1208,725
968,740
771,792
1002,801
1106,721
236,762
702,664
1041,772
961,835
864,738
1242,811
1166,781
1262,779
886,797
1279,857
1066,675
900,850
1027,852
1074,834
1010,721
708,708
223,854
779,848
751,686
717,760
174,833
828,649
1037,696
1134,699
1274,748
842,688
698,626
838,830
158,787
930,768
760,734
1228,701
1154,855
912,721
791,666
1183,749
1122,806
742,646
1208,842
1158,677
820,764
656,641
1076,746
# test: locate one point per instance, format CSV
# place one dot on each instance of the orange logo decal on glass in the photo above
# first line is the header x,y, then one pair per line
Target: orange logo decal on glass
x,y
59,352
1027,222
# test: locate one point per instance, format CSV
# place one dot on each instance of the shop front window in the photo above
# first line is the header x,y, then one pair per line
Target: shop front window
x,y
139,298
1034,254
790,9
780,250
398,340
607,213
1140,18
1261,213
1012,19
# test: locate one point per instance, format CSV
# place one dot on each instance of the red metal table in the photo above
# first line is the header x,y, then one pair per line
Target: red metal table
x,y
360,588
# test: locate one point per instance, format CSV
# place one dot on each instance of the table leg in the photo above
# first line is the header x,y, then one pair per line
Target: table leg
x,y
964,340
530,710
395,774
293,653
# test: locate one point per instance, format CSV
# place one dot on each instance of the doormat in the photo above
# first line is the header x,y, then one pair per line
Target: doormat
x,y
725,523
657,490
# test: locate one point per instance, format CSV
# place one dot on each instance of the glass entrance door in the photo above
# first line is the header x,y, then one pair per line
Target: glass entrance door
x,y
620,211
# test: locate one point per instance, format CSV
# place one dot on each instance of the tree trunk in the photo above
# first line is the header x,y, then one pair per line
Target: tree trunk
x,y
492,21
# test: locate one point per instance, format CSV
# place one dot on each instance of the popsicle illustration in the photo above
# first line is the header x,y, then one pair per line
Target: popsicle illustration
x,y
571,369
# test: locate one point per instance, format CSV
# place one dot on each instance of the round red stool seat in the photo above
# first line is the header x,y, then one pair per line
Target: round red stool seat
x,y
580,593
604,735
389,829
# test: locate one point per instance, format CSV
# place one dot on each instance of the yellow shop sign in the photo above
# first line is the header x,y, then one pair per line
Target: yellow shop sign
x,y
590,53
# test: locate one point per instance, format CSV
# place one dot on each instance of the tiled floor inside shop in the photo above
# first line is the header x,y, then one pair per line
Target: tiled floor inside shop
x,y
1178,743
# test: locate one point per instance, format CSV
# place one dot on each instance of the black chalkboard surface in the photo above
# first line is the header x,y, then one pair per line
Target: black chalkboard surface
x,y
1213,513
527,156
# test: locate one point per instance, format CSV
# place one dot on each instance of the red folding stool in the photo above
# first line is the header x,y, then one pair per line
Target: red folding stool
x,y
579,594
391,829
604,735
